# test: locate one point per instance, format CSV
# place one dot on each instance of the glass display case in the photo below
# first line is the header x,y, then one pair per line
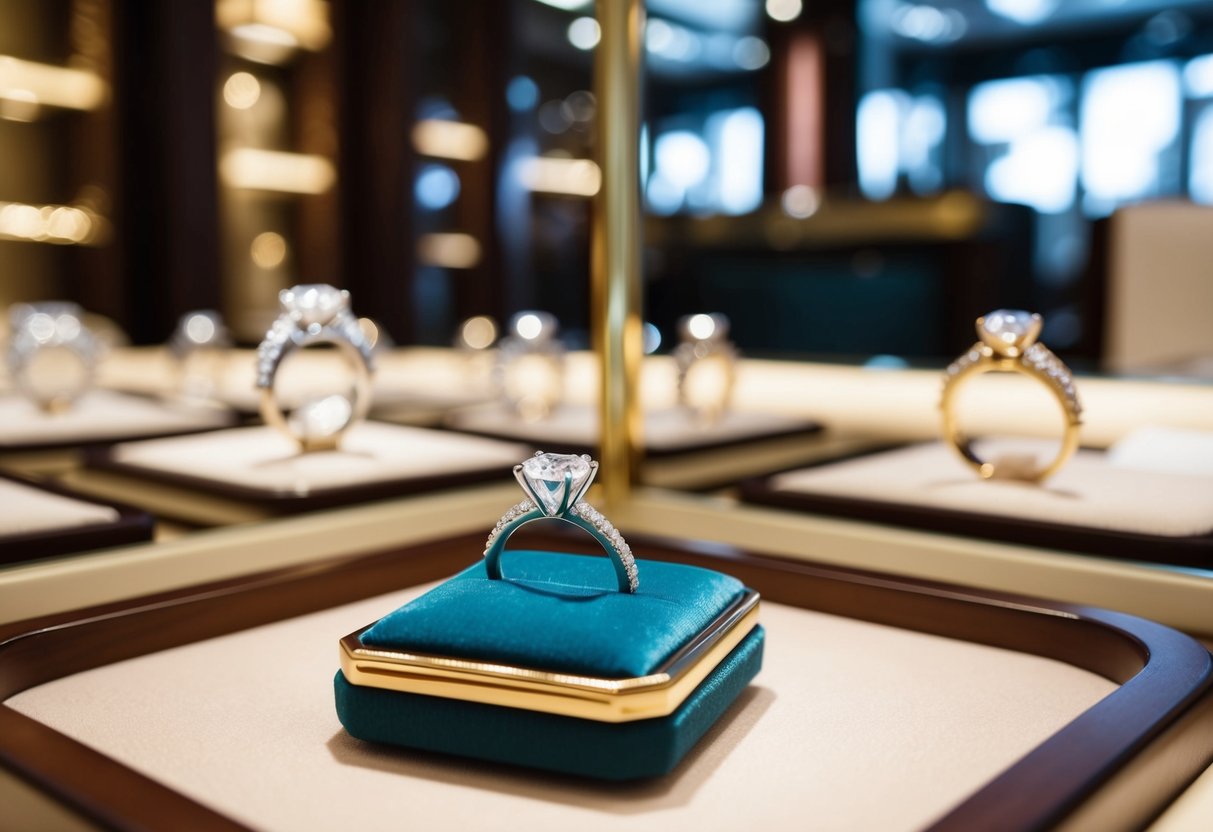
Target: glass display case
x,y
896,312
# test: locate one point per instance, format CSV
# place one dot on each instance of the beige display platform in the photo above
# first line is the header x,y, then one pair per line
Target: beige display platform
x,y
28,510
679,451
1150,497
1092,490
252,473
32,441
843,710
41,521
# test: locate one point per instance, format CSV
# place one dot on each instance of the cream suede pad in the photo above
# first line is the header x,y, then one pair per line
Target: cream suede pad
x,y
98,416
849,726
664,430
262,458
28,510
1094,489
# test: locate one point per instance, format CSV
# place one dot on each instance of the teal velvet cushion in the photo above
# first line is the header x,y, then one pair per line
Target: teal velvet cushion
x,y
562,613
611,751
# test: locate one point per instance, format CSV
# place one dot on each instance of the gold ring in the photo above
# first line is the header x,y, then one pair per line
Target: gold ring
x,y
1008,345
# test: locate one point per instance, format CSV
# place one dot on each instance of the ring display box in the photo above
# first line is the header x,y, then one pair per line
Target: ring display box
x,y
679,450
246,474
554,668
41,521
1101,503
884,703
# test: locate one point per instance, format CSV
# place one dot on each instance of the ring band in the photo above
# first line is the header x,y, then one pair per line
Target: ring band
x,y
1008,345
555,484
52,325
315,314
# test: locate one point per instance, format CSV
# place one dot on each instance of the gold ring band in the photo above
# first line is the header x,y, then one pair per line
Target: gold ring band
x,y
1008,345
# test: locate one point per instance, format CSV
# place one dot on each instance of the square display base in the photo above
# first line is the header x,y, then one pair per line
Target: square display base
x,y
602,750
247,474
1100,503
42,521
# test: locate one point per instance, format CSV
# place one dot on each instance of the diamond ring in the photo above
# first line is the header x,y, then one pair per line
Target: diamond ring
x,y
52,355
315,314
707,366
1008,344
555,484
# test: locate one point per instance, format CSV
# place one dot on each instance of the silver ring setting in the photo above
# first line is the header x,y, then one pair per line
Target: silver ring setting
x,y
315,314
555,485
38,328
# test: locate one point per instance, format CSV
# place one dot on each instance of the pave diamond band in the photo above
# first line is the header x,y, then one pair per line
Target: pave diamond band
x,y
555,484
315,314
1008,345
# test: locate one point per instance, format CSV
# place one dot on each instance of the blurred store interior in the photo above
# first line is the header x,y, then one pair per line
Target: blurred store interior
x,y
849,180
802,208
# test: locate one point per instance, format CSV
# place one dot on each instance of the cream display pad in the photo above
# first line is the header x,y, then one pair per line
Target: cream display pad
x,y
842,711
262,459
665,431
1092,490
101,416
31,510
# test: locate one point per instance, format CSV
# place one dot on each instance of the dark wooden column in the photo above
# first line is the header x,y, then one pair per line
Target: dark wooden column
x,y
317,216
166,214
375,90
811,99
479,95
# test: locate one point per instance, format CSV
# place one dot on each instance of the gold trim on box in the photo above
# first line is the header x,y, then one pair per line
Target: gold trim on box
x,y
585,697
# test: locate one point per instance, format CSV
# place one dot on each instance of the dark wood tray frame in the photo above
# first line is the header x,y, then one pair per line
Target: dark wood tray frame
x,y
1116,766
132,526
285,502
1196,551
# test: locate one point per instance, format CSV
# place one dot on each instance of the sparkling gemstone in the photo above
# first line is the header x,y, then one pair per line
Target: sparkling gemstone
x,y
546,474
313,304
1010,326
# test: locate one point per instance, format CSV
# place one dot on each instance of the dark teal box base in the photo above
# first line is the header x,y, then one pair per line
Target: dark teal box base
x,y
603,750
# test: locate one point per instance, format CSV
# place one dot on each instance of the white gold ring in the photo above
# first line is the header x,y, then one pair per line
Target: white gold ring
x,y
555,485
42,335
315,314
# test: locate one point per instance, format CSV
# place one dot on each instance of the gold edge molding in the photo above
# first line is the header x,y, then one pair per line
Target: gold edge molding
x,y
603,700
669,671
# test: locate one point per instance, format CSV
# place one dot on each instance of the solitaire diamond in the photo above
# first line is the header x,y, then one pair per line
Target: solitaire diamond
x,y
313,303
546,475
1009,330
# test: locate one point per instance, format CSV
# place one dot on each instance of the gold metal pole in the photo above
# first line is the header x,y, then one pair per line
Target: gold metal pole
x,y
615,243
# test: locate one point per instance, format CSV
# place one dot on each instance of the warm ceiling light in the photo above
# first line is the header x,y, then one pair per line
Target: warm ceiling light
x,y
567,5
29,83
553,175
268,250
444,139
477,333
448,251
241,90
784,10
58,224
269,31
275,170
